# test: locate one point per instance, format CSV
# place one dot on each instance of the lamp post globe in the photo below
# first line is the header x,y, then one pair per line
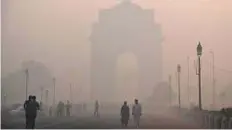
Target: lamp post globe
x,y
199,49
178,68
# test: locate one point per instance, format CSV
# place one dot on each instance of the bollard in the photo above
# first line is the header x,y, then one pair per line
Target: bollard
x,y
230,123
217,122
211,121
205,120
223,122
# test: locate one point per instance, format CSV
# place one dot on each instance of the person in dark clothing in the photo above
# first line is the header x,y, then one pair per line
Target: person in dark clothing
x,y
59,109
50,111
62,109
96,111
32,107
68,107
26,108
125,114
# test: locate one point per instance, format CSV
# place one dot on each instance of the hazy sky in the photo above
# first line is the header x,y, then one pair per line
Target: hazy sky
x,y
56,32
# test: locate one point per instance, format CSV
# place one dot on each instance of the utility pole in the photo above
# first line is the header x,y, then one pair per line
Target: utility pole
x,y
71,93
170,89
213,74
54,91
4,99
178,72
46,96
188,85
27,76
199,53
41,94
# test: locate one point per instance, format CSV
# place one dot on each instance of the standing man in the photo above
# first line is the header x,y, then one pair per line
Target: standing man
x,y
68,107
58,110
26,108
137,112
96,111
62,108
50,111
125,114
34,106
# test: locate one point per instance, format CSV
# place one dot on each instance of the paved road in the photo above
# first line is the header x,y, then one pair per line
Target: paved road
x,y
105,122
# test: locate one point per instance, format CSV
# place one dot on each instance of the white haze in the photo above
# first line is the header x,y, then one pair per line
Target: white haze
x,y
56,33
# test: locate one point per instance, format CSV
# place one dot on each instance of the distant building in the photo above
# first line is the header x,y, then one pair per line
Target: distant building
x,y
125,27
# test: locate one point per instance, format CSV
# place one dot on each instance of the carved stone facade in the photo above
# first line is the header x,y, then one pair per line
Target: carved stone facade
x,y
125,27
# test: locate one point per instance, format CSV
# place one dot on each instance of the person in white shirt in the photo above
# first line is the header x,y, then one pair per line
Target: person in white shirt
x,y
136,112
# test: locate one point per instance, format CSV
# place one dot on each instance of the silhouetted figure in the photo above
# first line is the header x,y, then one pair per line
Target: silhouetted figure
x,y
68,107
125,114
31,109
41,105
26,108
96,111
50,111
59,109
62,109
137,112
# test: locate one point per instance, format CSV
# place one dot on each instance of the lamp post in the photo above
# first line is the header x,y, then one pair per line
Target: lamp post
x,y
27,76
188,84
178,72
199,53
4,99
46,96
41,94
213,69
70,93
54,91
170,89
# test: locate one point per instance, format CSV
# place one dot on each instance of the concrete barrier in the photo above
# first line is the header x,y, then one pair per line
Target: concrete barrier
x,y
217,122
224,123
230,123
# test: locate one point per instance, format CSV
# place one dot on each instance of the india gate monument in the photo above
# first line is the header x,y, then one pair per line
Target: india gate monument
x,y
126,27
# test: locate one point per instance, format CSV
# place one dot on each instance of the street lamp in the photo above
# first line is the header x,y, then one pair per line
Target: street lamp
x,y
170,89
27,76
178,71
46,96
199,53
213,67
54,91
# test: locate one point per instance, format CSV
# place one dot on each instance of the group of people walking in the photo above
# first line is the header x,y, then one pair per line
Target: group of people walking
x,y
63,109
136,113
31,106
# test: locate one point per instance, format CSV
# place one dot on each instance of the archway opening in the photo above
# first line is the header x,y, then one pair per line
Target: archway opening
x,y
127,77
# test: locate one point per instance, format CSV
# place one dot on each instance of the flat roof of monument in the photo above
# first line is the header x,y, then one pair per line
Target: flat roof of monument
x,y
126,5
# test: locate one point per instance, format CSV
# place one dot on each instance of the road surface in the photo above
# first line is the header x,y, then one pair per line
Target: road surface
x,y
107,121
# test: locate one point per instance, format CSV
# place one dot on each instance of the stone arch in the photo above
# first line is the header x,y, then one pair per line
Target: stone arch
x,y
125,27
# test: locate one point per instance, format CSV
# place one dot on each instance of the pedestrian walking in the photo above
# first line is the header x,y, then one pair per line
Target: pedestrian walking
x,y
31,108
68,107
59,109
34,108
62,109
125,114
26,108
50,111
96,111
137,112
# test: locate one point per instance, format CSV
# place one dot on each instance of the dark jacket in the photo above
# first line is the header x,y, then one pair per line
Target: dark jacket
x,y
31,108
